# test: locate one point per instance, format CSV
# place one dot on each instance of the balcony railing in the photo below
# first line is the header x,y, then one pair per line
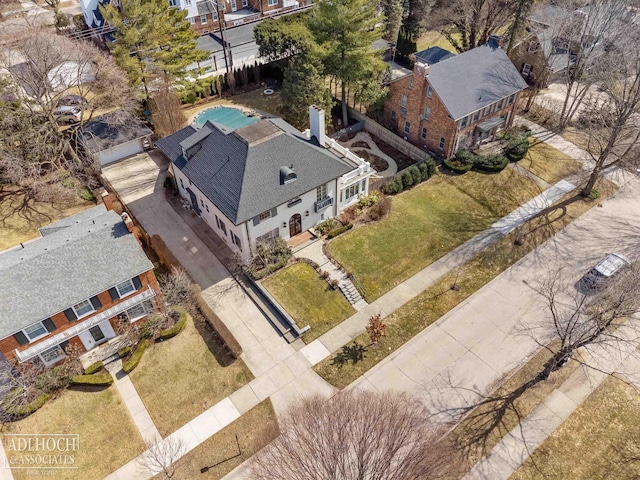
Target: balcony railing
x,y
82,326
324,203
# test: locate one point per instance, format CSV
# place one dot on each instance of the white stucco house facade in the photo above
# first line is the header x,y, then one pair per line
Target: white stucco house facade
x,y
264,180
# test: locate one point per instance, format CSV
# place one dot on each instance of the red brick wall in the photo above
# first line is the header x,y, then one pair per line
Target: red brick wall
x,y
439,125
9,345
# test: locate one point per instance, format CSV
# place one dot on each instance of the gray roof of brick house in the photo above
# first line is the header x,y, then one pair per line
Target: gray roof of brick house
x,y
433,55
474,79
112,129
65,267
239,171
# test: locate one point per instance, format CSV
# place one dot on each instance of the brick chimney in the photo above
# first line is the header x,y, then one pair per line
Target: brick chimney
x,y
107,200
421,69
128,222
316,124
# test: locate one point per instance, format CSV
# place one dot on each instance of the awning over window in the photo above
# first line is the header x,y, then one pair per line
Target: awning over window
x,y
489,124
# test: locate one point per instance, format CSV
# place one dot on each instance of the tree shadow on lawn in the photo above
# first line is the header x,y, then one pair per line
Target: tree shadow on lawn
x,y
352,353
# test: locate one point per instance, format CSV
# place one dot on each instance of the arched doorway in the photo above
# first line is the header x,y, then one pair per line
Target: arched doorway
x,y
295,225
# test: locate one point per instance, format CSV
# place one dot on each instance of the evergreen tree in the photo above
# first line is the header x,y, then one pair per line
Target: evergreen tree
x,y
346,31
416,15
392,10
304,84
406,44
152,38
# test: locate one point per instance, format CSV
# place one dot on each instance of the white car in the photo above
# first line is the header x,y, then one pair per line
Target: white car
x,y
68,114
608,267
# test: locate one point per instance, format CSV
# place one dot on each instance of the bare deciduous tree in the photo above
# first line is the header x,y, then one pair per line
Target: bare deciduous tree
x,y
166,112
361,435
177,288
163,457
376,328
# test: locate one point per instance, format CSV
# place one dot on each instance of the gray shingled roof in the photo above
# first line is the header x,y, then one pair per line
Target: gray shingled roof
x,y
112,129
242,178
65,267
433,55
170,145
474,79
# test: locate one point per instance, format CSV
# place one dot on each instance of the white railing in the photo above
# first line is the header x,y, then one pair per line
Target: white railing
x,y
363,166
82,326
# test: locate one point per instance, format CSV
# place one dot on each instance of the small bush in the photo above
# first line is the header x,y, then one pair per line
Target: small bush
x,y
260,274
380,210
58,377
96,379
339,231
517,148
124,351
133,361
216,324
86,194
150,326
28,408
93,368
348,215
415,174
491,163
179,325
367,201
326,226
393,186
457,166
427,169
407,180
594,194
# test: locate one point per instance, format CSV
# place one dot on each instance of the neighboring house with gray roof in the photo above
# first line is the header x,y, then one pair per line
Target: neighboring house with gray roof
x,y
75,285
114,136
264,180
456,101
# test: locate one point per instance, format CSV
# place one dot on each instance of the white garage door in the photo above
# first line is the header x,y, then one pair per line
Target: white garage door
x,y
119,152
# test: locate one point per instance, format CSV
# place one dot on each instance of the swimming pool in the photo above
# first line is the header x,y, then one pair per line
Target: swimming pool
x,y
230,117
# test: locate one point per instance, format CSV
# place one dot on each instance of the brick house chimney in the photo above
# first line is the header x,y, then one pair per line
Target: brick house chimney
x,y
316,124
421,70
107,200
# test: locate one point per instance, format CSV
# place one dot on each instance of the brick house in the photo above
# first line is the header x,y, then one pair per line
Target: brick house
x,y
452,102
74,285
264,180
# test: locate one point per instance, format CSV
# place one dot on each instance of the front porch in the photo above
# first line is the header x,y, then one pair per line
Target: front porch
x,y
107,352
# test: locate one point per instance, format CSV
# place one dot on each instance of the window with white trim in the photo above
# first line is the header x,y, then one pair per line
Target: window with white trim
x,y
265,215
236,240
427,113
410,82
393,115
464,121
352,191
192,21
475,117
403,101
526,69
35,331
486,111
203,19
423,134
187,3
407,128
500,104
52,354
139,310
321,192
245,3
223,227
174,3
125,288
215,15
429,91
273,2
441,145
83,308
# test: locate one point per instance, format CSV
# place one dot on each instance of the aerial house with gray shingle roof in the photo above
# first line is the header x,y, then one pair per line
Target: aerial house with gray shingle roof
x,y
264,180
452,102
75,285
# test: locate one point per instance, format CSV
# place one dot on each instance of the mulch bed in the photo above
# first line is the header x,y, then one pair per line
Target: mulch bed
x,y
378,164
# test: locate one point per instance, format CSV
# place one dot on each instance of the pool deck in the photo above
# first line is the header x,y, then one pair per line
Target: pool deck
x,y
231,117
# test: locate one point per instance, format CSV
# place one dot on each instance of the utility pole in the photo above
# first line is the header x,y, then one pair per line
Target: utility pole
x,y
224,42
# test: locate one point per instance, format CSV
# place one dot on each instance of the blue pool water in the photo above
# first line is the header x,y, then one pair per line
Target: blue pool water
x,y
230,117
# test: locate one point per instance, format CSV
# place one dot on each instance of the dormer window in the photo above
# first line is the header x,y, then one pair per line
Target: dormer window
x,y
287,175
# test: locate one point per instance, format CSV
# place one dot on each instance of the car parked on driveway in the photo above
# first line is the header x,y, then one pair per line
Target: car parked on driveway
x,y
71,100
68,114
610,266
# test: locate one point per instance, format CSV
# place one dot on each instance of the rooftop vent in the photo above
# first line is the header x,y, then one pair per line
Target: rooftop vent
x,y
287,175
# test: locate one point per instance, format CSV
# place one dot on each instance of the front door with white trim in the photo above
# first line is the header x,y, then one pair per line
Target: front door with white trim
x,y
96,335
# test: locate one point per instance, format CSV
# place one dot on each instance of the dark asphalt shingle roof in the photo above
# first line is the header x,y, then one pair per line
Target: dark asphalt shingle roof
x,y
474,79
433,55
170,145
242,178
65,267
112,129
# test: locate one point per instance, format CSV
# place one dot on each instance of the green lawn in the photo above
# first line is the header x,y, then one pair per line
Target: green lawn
x,y
547,162
108,437
426,223
598,441
180,378
433,38
308,299
347,365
